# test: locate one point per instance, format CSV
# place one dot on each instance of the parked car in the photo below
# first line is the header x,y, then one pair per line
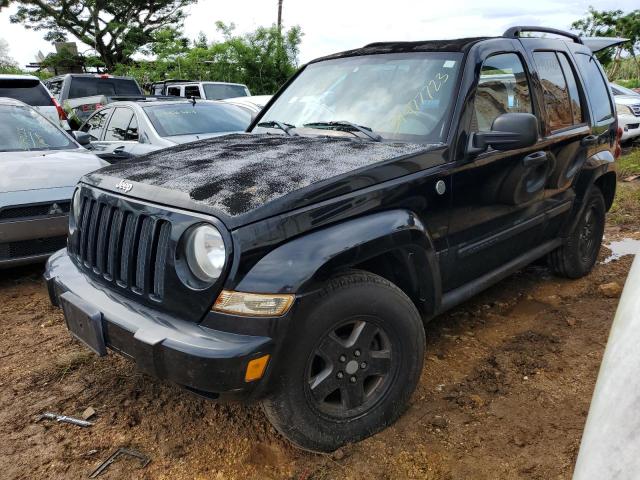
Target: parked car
x,y
295,264
628,109
81,94
610,441
40,165
205,90
255,103
30,90
127,129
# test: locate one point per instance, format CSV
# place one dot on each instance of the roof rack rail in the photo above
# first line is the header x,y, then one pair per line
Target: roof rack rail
x,y
514,32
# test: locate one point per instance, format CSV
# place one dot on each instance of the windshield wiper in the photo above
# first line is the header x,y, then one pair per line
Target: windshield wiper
x,y
346,126
285,127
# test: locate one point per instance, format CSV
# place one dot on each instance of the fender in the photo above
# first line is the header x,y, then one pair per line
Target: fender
x,y
300,265
595,167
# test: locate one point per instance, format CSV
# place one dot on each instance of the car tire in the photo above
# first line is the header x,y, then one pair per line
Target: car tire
x,y
578,255
355,360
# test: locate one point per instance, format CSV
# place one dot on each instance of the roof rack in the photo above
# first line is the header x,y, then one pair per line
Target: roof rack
x,y
514,32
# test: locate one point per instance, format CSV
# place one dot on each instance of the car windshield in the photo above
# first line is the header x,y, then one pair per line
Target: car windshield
x,y
220,91
91,86
405,96
29,91
188,119
23,129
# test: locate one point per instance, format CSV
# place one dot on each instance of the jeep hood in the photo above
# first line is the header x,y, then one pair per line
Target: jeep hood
x,y
242,178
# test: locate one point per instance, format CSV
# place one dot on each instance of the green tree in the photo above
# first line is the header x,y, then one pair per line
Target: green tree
x,y
263,59
613,23
116,29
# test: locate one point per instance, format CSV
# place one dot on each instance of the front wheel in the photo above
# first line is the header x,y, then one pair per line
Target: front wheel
x,y
356,360
578,255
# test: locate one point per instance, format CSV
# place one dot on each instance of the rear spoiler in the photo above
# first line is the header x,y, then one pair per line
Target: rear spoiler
x,y
596,44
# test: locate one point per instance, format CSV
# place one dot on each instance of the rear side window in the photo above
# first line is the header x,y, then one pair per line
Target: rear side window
x,y
175,91
118,129
31,92
95,123
596,87
502,88
192,91
91,86
572,85
555,86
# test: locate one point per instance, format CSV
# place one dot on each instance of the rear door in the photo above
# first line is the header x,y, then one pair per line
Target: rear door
x,y
566,134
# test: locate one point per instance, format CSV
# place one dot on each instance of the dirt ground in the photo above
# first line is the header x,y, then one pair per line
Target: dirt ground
x,y
504,394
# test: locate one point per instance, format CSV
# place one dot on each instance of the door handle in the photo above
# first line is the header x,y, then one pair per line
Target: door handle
x,y
589,140
534,158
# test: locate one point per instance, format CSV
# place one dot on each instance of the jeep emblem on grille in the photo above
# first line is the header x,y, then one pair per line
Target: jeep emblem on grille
x,y
124,186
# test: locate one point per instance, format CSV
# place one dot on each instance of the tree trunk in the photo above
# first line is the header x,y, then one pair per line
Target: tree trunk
x,y
279,16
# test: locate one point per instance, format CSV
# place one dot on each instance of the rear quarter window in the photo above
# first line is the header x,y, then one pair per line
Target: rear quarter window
x,y
595,87
31,92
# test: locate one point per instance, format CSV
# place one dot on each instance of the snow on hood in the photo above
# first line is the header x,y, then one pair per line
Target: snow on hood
x,y
238,173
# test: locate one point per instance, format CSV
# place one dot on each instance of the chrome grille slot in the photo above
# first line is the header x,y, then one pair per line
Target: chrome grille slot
x,y
122,246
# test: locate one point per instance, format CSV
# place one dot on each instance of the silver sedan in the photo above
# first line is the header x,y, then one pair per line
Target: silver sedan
x,y
40,165
122,130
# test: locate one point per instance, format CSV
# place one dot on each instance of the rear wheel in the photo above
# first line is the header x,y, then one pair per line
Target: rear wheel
x,y
356,361
578,255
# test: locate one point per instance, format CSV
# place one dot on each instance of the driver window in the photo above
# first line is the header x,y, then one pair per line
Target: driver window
x,y
502,88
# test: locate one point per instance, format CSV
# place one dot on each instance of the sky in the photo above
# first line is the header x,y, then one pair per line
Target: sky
x,y
334,25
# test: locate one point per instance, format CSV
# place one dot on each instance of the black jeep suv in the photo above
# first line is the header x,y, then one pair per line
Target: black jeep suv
x,y
297,263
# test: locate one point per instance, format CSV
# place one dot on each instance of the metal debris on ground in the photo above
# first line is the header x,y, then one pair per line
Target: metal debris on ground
x,y
64,419
144,460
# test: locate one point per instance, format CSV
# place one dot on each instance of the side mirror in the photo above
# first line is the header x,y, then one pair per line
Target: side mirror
x,y
83,138
509,131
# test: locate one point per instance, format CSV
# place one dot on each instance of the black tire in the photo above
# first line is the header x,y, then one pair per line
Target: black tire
x,y
578,255
377,338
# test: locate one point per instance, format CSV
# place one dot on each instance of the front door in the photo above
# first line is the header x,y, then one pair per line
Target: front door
x,y
498,208
120,136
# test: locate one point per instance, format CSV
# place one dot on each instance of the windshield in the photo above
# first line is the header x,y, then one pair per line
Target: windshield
x,y
91,86
23,129
188,119
404,96
220,91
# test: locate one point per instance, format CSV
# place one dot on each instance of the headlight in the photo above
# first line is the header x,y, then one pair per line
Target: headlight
x,y
76,204
623,109
205,252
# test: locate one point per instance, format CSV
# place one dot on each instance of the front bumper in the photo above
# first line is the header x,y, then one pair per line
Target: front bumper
x,y
630,125
204,360
24,241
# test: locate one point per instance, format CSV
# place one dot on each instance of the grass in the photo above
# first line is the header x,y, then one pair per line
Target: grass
x,y
629,164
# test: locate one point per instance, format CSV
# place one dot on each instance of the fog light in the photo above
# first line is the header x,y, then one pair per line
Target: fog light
x,y
256,368
253,304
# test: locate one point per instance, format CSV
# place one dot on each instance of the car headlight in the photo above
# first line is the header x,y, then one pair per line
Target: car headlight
x,y
76,203
205,252
623,109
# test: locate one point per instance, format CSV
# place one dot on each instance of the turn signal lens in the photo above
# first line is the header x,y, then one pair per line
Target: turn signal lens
x,y
256,368
253,304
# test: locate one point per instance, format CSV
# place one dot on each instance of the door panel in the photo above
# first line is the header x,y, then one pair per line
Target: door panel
x,y
498,212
